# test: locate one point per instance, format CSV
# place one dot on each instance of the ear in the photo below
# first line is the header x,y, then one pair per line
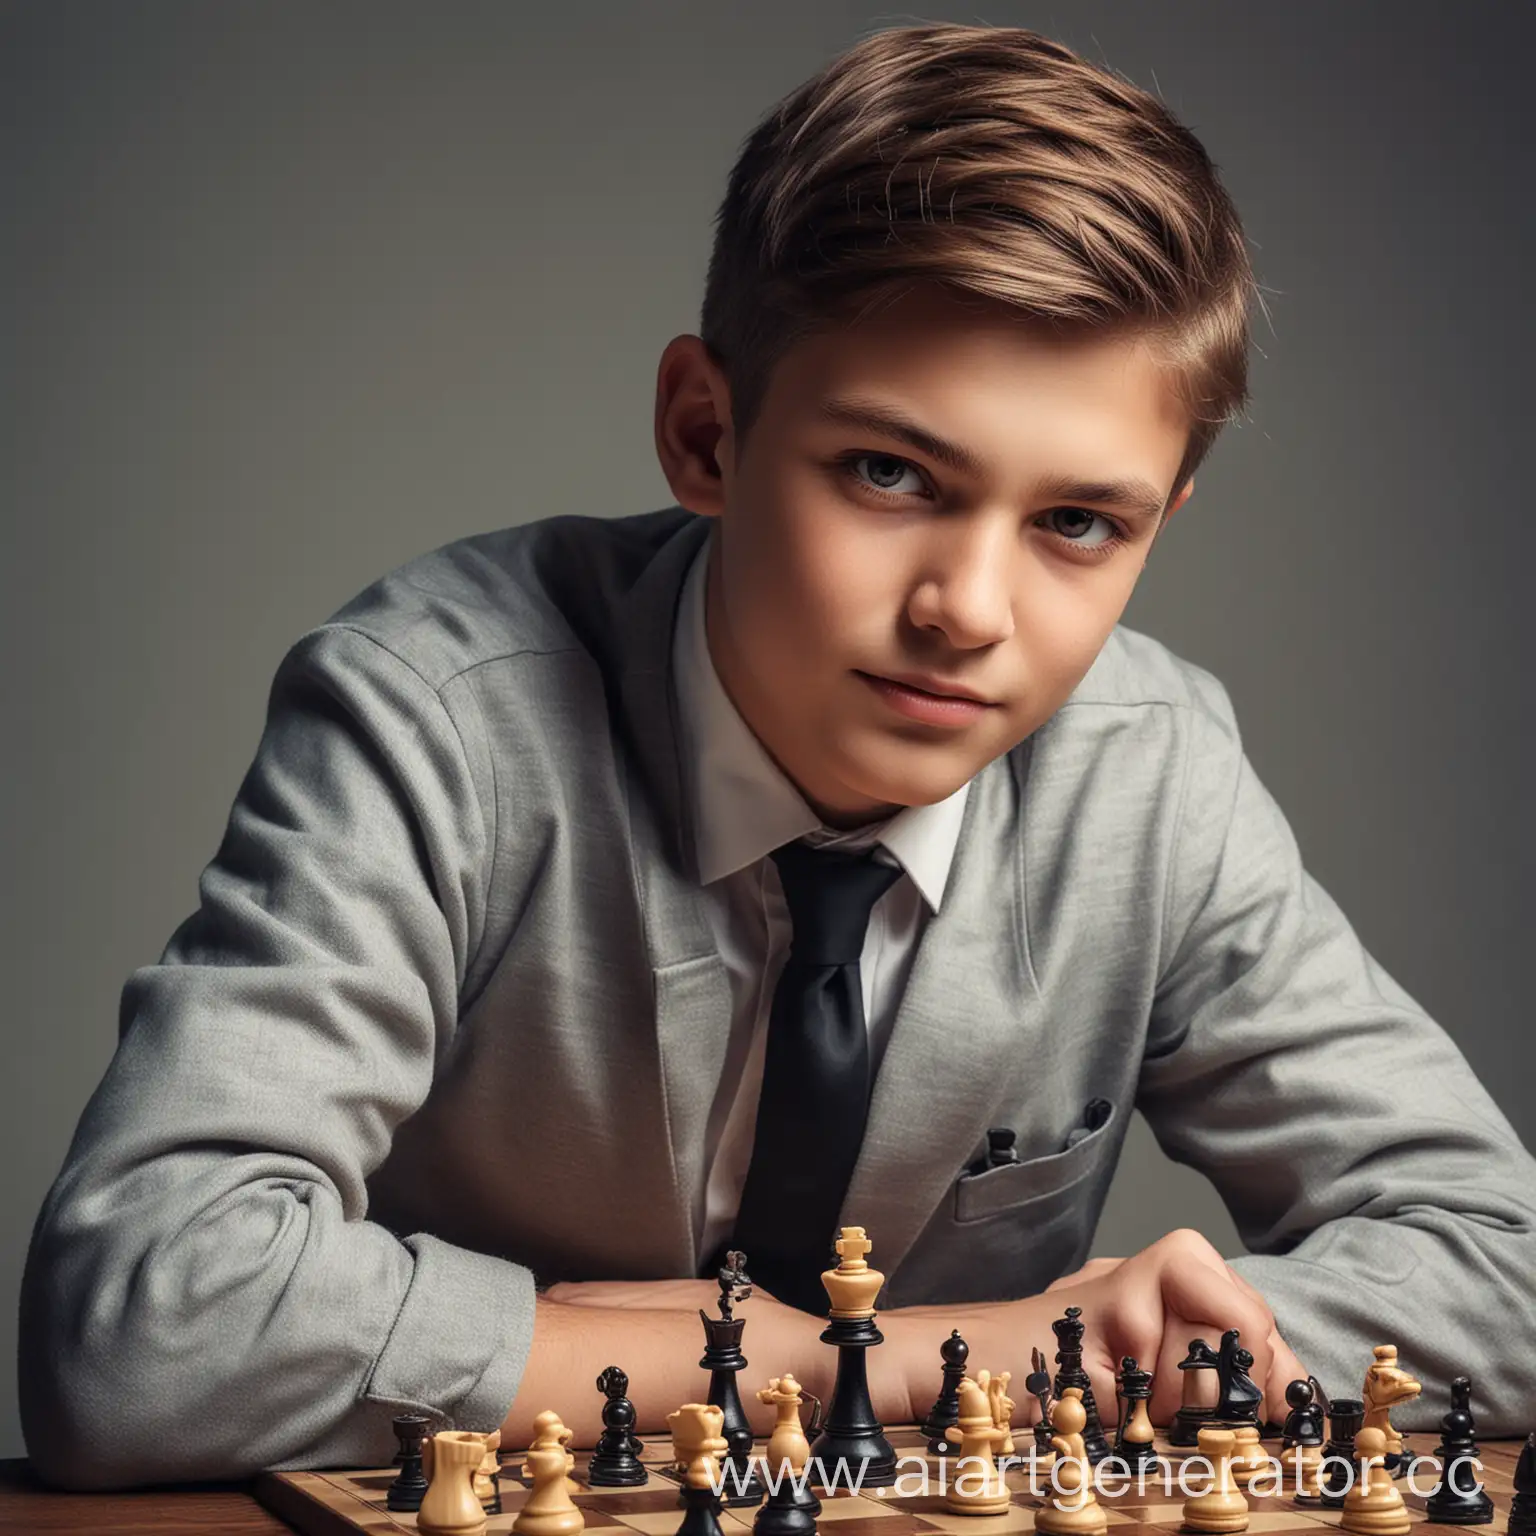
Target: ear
x,y
695,443
1179,500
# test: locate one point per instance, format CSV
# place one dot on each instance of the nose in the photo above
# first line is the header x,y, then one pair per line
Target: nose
x,y
967,588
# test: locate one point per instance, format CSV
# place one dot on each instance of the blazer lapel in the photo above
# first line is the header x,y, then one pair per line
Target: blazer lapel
x,y
690,991
970,1004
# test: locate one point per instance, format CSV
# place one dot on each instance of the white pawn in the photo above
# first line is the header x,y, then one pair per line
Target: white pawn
x,y
1373,1506
549,1510
787,1442
550,1434
1249,1458
1221,1509
978,1487
1075,1510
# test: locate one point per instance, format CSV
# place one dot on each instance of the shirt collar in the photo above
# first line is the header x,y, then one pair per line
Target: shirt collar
x,y
744,806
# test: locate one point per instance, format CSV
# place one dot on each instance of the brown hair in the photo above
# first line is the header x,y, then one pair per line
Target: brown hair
x,y
998,163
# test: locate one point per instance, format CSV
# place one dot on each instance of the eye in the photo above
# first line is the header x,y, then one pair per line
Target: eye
x,y
886,472
1078,526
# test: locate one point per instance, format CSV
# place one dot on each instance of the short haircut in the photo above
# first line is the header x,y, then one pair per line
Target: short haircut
x,y
998,163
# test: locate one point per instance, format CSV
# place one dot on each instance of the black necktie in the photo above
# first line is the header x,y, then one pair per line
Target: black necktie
x,y
816,1077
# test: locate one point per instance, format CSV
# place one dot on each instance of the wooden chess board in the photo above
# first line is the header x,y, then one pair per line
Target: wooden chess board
x,y
346,1502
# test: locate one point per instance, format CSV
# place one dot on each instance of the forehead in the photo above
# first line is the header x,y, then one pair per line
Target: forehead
x,y
977,371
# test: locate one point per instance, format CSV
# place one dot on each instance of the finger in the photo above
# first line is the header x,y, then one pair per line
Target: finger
x,y
1284,1368
1133,1324
1202,1296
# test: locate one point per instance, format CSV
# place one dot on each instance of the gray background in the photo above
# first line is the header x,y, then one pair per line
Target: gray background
x,y
291,292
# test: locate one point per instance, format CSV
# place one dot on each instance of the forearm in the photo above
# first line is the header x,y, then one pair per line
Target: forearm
x,y
659,1347
652,1330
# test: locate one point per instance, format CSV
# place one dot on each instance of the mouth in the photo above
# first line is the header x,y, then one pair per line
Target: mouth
x,y
920,704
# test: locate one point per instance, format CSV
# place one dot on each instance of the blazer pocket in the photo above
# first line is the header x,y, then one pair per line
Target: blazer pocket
x,y
980,1195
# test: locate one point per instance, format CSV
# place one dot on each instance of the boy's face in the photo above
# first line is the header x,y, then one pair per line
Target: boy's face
x,y
848,552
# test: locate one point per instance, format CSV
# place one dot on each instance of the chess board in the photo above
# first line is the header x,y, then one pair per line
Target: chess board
x,y
343,1503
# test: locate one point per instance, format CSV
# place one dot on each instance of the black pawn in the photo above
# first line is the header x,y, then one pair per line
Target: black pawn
x,y
1458,1500
1522,1512
945,1413
703,1512
1069,1335
410,1487
615,1459
790,1508
1345,1416
1304,1423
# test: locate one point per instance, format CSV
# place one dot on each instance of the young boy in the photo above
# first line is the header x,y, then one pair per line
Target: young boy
x,y
488,1038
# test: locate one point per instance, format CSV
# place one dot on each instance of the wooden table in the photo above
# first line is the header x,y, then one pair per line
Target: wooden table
x,y
219,1509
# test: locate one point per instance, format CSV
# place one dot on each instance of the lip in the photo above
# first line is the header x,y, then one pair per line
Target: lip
x,y
931,685
929,708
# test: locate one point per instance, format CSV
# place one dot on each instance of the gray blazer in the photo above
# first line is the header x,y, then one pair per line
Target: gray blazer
x,y
449,1018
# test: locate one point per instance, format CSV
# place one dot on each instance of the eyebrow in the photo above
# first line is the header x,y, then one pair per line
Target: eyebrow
x,y
1137,498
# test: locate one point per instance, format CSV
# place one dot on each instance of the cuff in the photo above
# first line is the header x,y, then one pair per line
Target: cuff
x,y
460,1339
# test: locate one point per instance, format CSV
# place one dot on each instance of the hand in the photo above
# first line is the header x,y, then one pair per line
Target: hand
x,y
1152,1304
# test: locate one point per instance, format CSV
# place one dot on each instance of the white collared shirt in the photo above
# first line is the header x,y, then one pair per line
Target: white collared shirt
x,y
743,808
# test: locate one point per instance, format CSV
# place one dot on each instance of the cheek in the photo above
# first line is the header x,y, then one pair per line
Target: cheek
x,y
1061,628
820,578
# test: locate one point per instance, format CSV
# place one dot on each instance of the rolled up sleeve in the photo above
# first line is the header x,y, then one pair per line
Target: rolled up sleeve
x,y
204,1294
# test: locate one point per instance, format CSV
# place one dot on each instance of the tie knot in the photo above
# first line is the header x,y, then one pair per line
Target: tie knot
x,y
830,894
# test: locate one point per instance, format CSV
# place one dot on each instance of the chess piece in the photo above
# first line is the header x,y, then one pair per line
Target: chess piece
x,y
791,1507
1458,1498
1002,1406
851,1435
1038,1384
616,1457
405,1493
487,1478
1301,1437
698,1444
1387,1385
1345,1415
1001,1151
1522,1509
1133,1442
548,1510
550,1434
1069,1357
723,1359
1072,1508
449,1506
1249,1458
1304,1423
977,1487
1373,1506
1222,1508
1200,1390
1237,1396
945,1412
